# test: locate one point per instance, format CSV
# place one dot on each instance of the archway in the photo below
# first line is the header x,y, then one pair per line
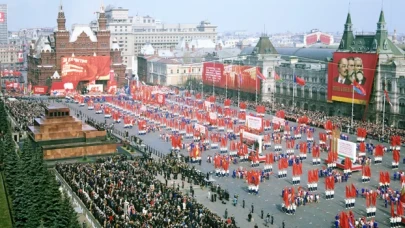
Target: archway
x,y
290,103
313,107
298,104
305,106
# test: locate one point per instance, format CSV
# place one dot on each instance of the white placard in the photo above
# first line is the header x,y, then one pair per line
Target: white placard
x,y
278,120
95,88
346,149
200,128
254,122
213,115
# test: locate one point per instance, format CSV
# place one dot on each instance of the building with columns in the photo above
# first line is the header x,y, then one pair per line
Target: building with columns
x,y
46,52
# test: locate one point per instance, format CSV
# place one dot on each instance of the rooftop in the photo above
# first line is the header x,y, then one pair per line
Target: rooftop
x,y
78,29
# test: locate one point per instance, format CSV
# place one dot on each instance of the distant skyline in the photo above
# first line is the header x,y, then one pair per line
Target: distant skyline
x,y
276,16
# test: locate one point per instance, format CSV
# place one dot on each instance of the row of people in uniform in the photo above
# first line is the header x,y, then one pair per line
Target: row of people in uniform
x,y
360,223
395,222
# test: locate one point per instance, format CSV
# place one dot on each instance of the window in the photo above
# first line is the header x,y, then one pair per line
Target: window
x,y
389,86
178,71
402,106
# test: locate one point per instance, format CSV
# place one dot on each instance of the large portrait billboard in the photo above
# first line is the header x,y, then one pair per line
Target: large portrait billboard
x,y
232,77
85,68
350,70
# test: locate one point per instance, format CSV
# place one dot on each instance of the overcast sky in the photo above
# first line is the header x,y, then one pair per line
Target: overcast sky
x,y
229,15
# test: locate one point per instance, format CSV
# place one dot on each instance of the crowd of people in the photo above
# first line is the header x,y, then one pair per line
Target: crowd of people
x,y
25,111
125,193
318,118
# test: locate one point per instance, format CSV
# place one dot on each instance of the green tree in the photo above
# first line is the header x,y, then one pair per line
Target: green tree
x,y
67,216
26,195
10,162
1,154
3,119
52,201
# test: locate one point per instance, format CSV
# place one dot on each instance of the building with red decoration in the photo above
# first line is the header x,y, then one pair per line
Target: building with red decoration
x,y
47,52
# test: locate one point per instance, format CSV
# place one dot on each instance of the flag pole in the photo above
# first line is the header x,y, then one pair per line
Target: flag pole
x,y
385,86
213,81
274,89
256,89
226,85
239,77
351,122
293,88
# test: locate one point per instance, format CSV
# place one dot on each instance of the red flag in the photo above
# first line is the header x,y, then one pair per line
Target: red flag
x,y
299,81
353,191
260,75
277,77
387,97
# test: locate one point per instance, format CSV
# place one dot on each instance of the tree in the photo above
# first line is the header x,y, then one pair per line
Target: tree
x,y
3,119
10,162
26,194
1,154
52,201
67,216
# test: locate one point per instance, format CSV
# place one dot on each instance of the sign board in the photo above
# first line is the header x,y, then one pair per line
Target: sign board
x,y
95,88
278,120
40,90
253,122
346,149
200,128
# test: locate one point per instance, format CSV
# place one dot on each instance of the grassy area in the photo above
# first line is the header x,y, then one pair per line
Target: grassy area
x,y
5,220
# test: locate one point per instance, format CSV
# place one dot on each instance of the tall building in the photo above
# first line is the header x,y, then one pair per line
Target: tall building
x,y
3,24
45,57
133,32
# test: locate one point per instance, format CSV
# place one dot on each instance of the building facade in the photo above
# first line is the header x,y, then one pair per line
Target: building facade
x,y
133,32
46,53
312,65
10,56
3,24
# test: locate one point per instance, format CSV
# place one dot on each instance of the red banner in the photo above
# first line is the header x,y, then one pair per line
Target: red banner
x,y
40,90
160,99
232,77
347,68
12,85
85,68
